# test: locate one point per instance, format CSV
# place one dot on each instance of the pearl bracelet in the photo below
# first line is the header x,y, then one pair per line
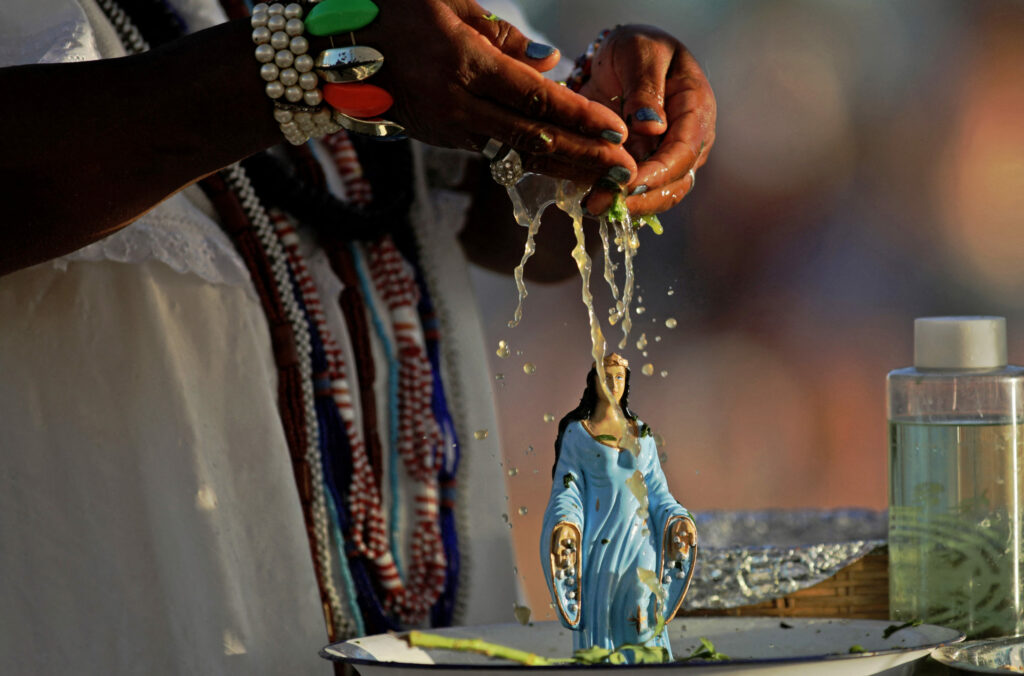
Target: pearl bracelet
x,y
287,68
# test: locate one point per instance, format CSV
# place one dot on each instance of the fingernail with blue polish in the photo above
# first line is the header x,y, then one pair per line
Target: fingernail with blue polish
x,y
647,115
619,175
538,50
639,190
612,136
608,184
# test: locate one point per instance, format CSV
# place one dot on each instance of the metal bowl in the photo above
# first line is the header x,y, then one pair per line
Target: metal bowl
x,y
996,656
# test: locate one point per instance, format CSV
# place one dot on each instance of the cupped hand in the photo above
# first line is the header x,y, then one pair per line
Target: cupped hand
x,y
459,76
657,86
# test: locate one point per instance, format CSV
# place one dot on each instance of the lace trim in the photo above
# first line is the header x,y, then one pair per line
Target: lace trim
x,y
177,234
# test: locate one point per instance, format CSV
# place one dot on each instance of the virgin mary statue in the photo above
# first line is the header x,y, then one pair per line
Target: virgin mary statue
x,y
616,548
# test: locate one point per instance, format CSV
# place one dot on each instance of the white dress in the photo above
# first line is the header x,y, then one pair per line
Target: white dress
x,y
149,519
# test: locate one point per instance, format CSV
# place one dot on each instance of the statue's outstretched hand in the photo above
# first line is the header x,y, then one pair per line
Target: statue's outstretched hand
x,y
682,537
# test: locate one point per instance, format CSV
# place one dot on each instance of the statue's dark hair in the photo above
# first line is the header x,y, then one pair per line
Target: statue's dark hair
x,y
586,407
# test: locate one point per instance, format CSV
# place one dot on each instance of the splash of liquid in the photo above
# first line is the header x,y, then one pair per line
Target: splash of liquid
x,y
638,487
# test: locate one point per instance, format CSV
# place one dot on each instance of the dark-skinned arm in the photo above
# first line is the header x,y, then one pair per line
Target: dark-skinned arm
x,y
115,137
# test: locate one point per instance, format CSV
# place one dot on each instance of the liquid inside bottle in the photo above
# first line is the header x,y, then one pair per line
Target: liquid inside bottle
x,y
955,524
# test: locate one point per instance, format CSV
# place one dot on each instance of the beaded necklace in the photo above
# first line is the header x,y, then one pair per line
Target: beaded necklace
x,y
411,386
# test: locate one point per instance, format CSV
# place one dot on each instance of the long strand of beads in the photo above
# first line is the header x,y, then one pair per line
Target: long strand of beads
x,y
260,220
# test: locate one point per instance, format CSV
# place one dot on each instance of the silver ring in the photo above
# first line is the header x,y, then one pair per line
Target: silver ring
x,y
492,147
508,170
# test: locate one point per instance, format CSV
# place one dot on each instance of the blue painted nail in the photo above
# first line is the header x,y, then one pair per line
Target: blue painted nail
x,y
538,50
647,115
619,175
639,190
612,135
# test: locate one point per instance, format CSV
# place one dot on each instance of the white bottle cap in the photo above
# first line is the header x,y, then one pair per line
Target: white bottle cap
x,y
960,342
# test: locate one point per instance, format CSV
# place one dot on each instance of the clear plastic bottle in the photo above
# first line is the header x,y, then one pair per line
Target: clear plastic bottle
x,y
956,467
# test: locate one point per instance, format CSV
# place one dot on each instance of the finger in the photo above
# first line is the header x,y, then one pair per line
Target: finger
x,y
660,199
642,66
513,85
542,144
510,40
691,109
555,166
599,199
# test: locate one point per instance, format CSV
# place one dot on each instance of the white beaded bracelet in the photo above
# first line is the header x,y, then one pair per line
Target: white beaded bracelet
x,y
287,68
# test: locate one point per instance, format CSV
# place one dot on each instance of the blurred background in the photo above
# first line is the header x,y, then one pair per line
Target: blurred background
x,y
868,169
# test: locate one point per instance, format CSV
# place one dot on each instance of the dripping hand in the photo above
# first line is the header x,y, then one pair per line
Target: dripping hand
x,y
655,83
682,536
459,76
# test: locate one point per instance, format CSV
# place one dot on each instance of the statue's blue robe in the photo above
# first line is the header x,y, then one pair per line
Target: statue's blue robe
x,y
589,490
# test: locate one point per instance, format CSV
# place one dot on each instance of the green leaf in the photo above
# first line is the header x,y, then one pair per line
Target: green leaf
x,y
706,651
856,648
893,628
492,17
650,220
643,654
617,211
645,430
606,437
592,655
568,479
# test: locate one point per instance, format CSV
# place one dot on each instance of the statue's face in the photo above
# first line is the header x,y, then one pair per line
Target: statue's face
x,y
615,378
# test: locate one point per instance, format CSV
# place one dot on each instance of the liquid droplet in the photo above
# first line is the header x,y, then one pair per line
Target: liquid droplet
x,y
671,291
512,471
519,353
657,339
515,570
663,458
529,368
548,418
480,434
641,309
641,342
670,323
639,299
664,374
503,350
529,450
504,517
499,376
648,369
522,511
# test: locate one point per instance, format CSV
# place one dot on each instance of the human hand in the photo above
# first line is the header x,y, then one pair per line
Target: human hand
x,y
682,536
661,92
460,76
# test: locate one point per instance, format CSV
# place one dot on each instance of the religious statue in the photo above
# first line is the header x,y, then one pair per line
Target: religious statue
x,y
617,549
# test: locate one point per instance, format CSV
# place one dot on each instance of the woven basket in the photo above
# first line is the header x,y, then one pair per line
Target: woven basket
x,y
861,591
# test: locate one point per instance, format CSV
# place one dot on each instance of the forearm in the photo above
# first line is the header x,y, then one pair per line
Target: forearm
x,y
121,135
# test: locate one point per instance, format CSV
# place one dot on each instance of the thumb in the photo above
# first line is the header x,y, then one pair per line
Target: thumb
x,y
510,39
642,70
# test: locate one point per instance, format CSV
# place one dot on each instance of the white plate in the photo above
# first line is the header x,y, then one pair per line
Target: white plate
x,y
808,647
